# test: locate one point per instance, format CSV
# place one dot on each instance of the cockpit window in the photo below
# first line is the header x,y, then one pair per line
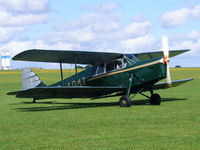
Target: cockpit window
x,y
120,63
131,58
100,69
115,64
110,66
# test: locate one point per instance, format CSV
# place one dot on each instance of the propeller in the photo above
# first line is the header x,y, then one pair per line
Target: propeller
x,y
165,47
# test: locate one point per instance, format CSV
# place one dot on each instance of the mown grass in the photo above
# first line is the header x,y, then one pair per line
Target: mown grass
x,y
100,124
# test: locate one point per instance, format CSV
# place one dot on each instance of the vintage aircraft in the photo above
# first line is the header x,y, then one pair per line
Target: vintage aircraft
x,y
109,75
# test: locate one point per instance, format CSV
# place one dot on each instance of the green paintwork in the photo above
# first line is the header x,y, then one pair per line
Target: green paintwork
x,y
149,73
66,56
120,79
146,74
137,75
66,92
129,85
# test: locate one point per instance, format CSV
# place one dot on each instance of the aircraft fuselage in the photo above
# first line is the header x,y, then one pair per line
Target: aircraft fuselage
x,y
145,72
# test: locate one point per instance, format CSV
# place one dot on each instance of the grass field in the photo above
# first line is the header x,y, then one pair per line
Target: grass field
x,y
82,124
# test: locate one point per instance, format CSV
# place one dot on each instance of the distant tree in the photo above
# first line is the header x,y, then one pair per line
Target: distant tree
x,y
79,67
177,66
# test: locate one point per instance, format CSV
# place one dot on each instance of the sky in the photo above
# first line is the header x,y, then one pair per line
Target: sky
x,y
100,25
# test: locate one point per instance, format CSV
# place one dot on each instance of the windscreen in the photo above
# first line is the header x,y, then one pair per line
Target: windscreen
x,y
131,58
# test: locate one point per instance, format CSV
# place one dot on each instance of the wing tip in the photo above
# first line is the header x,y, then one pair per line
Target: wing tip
x,y
12,93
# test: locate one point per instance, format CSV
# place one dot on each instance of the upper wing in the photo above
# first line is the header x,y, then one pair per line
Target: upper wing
x,y
149,55
164,85
65,56
82,57
66,92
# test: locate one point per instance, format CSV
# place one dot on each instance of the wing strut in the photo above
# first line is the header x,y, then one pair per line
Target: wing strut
x,y
61,72
75,59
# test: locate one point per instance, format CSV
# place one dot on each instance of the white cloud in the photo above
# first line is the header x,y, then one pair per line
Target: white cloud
x,y
94,21
8,19
95,31
180,17
136,29
25,6
17,16
139,18
139,44
194,46
16,47
100,31
187,41
104,8
6,33
105,35
89,28
194,35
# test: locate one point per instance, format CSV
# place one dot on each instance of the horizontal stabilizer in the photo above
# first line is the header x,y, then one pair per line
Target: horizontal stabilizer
x,y
164,85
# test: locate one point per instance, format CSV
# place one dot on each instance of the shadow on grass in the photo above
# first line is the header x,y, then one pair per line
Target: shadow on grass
x,y
67,106
61,106
52,102
146,101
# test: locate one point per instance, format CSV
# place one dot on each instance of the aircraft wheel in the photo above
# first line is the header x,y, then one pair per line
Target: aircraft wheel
x,y
125,101
155,99
34,100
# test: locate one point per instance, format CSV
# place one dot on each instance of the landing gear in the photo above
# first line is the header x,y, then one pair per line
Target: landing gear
x,y
155,99
34,100
125,101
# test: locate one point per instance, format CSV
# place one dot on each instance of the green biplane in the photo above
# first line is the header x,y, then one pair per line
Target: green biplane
x,y
108,75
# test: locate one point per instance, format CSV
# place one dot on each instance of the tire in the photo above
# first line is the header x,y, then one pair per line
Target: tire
x,y
155,99
125,101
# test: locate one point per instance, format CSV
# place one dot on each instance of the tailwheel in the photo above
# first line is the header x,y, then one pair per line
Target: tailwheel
x,y
125,101
155,99
34,100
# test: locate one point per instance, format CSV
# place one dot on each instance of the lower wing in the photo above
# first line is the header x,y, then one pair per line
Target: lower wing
x,y
164,85
44,92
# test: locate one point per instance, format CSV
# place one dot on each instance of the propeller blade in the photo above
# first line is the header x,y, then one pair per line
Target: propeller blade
x,y
165,47
169,82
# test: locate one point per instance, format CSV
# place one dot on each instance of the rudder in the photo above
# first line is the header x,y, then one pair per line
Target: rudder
x,y
30,79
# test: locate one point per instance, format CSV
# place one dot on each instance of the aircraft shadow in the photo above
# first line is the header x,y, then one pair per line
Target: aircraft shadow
x,y
62,106
67,106
146,101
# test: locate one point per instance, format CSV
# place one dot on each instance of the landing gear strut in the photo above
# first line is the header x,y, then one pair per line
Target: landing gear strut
x,y
125,100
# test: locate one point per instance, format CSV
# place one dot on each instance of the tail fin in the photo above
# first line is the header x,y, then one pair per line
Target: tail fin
x,y
30,79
